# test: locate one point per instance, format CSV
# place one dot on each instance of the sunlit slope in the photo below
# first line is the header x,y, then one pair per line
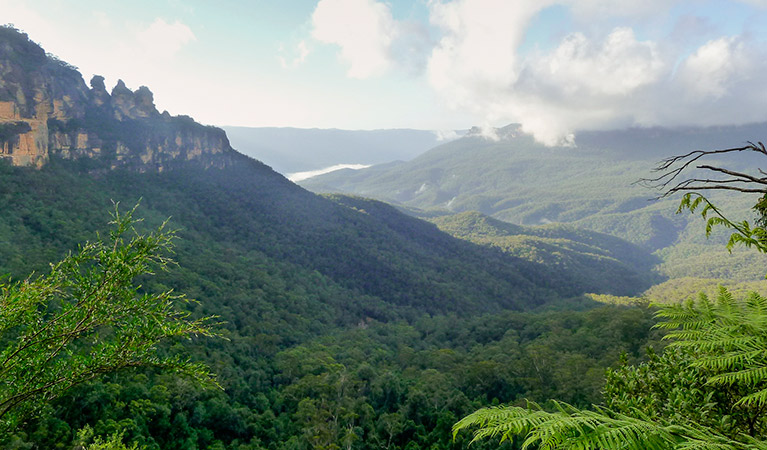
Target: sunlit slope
x,y
599,259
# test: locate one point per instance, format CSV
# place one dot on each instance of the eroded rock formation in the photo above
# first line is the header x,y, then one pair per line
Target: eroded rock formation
x,y
46,111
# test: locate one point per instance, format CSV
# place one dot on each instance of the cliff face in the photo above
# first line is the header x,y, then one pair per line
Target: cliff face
x,y
46,110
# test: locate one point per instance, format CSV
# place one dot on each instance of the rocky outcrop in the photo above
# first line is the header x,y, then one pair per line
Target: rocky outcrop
x,y
47,111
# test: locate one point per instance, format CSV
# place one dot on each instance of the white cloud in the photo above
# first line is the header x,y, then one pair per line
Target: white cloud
x,y
721,82
301,52
477,53
709,71
446,135
364,29
162,40
617,66
582,84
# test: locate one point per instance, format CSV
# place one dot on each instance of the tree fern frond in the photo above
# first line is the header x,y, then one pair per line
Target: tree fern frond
x,y
600,429
501,421
695,444
750,378
757,399
725,299
757,304
597,430
732,360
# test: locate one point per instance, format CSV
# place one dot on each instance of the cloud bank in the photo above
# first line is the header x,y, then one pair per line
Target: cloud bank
x,y
363,29
301,176
609,72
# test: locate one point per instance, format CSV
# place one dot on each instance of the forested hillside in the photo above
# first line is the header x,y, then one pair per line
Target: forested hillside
x,y
592,186
283,268
254,229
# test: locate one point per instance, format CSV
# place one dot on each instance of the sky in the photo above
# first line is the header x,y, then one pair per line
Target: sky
x,y
554,66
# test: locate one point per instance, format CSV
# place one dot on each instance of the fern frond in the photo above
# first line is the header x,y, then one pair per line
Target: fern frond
x,y
725,299
757,304
501,421
757,399
600,429
749,377
730,361
597,430
729,337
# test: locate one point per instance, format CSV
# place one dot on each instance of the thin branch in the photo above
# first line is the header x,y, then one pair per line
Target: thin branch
x,y
735,174
729,188
672,169
671,174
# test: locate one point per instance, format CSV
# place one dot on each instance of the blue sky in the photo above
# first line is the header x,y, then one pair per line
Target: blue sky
x,y
554,66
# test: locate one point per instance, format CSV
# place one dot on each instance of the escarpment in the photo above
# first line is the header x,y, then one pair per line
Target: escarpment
x,y
47,111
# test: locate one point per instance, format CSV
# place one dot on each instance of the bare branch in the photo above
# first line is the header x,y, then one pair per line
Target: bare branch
x,y
669,173
735,174
673,168
728,188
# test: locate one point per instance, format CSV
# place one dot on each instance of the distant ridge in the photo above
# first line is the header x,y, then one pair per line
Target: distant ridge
x,y
291,150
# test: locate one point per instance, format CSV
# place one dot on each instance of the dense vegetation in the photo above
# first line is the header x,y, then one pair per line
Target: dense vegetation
x,y
313,292
377,385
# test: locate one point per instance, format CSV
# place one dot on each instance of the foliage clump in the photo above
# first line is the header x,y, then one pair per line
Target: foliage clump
x,y
87,317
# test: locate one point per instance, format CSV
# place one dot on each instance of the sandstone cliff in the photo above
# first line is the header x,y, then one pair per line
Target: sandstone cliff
x,y
47,111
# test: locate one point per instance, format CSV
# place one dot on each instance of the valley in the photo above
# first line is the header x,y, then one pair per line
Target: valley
x,y
358,309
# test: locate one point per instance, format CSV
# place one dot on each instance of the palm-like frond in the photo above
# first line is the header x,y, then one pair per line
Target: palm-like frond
x,y
601,429
729,337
